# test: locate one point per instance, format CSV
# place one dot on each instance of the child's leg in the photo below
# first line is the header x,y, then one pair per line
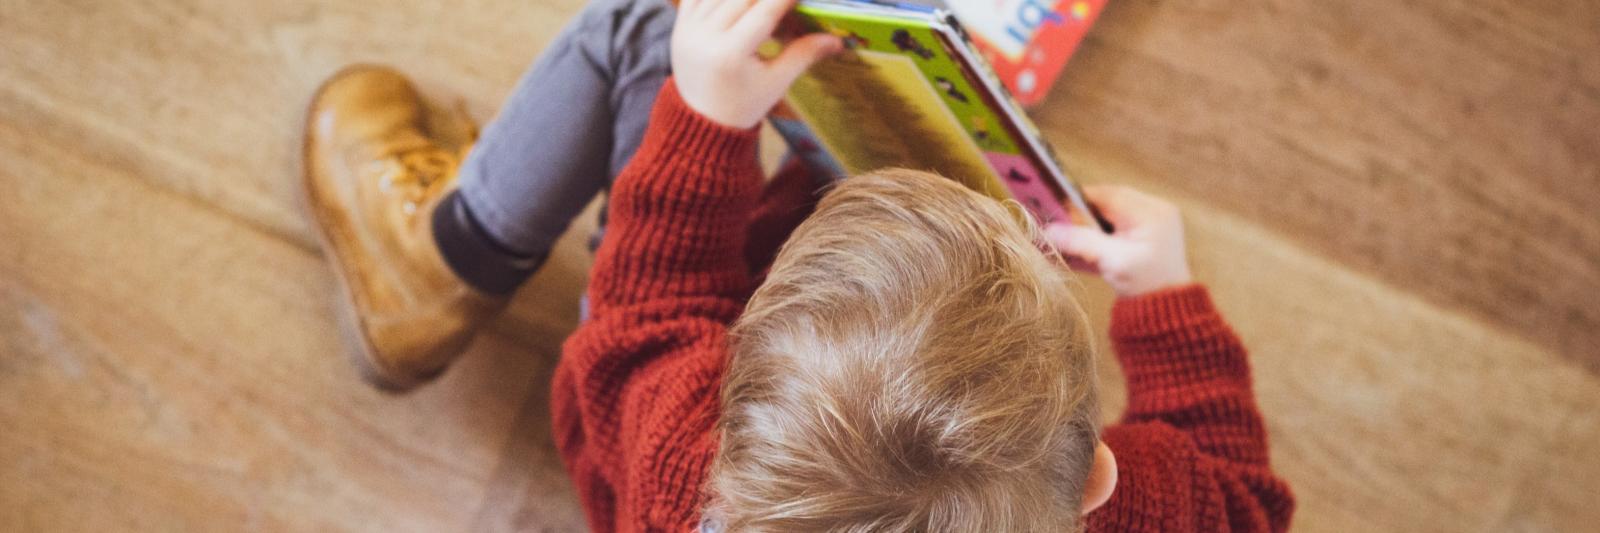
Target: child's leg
x,y
571,124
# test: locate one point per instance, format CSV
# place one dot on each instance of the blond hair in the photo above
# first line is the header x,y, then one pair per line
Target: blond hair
x,y
913,362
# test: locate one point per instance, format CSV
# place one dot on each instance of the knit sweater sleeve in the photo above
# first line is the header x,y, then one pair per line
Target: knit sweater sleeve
x,y
1191,448
679,211
634,395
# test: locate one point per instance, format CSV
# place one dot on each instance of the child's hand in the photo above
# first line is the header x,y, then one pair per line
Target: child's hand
x,y
1145,254
715,64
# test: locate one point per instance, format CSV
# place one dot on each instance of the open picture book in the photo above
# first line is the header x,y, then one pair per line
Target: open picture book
x,y
913,91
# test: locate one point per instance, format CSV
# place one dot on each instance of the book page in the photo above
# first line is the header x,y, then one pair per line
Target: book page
x,y
874,110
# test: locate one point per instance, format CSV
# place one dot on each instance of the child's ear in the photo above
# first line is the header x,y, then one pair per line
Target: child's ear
x,y
1102,478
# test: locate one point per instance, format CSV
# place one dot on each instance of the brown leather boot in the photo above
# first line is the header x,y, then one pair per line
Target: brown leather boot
x,y
373,177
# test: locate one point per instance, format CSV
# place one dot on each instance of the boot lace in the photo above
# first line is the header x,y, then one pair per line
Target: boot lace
x,y
415,174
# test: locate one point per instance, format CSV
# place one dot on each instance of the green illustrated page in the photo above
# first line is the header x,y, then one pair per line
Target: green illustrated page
x,y
915,40
864,109
898,98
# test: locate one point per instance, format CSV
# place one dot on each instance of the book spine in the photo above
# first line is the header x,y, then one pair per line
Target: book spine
x,y
1031,137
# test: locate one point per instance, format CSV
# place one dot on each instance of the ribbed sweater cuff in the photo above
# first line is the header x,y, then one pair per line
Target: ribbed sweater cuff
x,y
687,139
1175,338
1160,311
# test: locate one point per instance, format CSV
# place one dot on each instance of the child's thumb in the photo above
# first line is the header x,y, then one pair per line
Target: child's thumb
x,y
1081,242
802,53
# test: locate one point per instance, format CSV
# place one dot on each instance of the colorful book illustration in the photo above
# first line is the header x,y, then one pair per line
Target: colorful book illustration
x,y
913,92
1027,41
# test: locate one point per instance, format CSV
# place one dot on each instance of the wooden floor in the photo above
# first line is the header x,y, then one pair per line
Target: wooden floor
x,y
1393,201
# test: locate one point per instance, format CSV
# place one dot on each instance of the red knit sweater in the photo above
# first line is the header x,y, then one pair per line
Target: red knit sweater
x,y
635,394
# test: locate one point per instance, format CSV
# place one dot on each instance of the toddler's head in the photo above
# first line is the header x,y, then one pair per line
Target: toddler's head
x,y
913,362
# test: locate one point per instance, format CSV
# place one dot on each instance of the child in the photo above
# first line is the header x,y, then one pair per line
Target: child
x,y
912,361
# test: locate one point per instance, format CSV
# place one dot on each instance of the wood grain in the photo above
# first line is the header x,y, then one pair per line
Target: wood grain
x,y
1451,148
181,370
1390,200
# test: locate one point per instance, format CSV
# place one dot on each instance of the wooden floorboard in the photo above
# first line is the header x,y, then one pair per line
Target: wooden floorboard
x,y
1389,413
1452,148
1389,199
182,370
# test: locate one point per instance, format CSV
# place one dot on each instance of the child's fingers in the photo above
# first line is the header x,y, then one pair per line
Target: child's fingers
x,y
725,13
1109,198
1124,207
801,54
762,18
1083,245
698,8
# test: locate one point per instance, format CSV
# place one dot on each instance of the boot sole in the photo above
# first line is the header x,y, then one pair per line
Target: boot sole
x,y
358,346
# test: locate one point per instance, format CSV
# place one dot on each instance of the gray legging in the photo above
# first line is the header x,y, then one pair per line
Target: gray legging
x,y
572,123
